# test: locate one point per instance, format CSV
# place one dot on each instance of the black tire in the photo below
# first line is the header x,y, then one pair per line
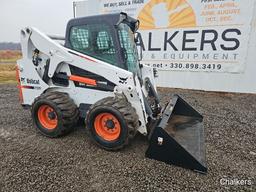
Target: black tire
x,y
64,110
126,115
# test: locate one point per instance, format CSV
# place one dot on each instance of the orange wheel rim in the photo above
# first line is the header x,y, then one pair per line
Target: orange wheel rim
x,y
47,117
107,126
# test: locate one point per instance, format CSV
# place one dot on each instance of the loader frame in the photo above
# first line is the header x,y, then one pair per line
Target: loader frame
x,y
59,83
61,57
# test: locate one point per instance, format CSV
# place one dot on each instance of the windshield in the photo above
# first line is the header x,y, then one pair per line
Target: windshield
x,y
128,47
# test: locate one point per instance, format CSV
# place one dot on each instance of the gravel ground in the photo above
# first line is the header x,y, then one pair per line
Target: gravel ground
x,y
32,162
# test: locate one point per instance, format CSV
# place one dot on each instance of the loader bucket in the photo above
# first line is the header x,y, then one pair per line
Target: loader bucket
x,y
178,137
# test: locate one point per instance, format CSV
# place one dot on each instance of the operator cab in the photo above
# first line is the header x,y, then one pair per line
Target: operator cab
x,y
109,38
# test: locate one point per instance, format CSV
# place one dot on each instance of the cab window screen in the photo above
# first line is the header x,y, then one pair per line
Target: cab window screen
x,y
94,40
128,47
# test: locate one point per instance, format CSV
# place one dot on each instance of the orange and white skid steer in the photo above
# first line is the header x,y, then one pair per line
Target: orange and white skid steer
x,y
96,75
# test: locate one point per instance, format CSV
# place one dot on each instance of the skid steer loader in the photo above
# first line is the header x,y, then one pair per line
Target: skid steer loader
x,y
96,75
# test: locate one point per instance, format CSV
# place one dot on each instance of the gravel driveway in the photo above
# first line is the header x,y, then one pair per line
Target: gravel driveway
x,y
32,162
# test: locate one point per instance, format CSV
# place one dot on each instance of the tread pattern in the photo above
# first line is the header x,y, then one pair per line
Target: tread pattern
x,y
121,104
67,108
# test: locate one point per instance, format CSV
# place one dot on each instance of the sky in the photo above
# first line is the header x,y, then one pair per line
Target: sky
x,y
49,16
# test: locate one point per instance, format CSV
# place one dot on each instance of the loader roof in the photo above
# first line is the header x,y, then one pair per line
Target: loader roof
x,y
112,19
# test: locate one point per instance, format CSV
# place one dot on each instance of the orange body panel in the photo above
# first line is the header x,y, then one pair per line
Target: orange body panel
x,y
85,80
19,85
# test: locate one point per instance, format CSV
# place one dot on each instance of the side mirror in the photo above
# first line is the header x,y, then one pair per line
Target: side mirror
x,y
136,37
139,48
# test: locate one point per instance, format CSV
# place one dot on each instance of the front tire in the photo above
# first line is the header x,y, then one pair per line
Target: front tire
x,y
112,123
54,114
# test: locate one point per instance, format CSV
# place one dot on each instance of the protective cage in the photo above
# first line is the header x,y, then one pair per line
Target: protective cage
x,y
178,137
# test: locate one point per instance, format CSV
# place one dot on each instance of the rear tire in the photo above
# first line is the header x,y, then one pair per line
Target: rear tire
x,y
54,114
112,123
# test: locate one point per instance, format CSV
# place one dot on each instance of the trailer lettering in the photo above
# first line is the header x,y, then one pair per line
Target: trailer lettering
x,y
192,40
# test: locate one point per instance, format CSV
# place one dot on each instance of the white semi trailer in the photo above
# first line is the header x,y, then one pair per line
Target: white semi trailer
x,y
205,45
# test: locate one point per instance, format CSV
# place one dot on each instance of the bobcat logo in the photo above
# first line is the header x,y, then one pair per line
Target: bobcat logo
x,y
123,80
22,80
